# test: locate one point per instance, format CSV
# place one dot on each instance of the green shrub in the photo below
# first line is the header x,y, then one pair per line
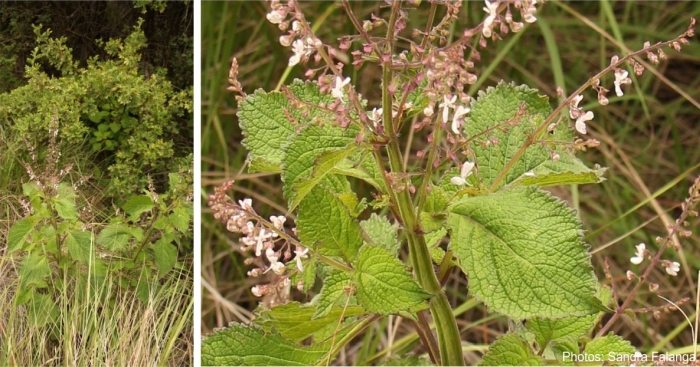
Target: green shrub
x,y
132,121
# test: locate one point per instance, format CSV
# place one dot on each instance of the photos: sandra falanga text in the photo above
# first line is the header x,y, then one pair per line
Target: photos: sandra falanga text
x,y
629,358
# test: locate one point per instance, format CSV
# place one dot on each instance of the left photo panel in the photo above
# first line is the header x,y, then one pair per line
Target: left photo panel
x,y
96,183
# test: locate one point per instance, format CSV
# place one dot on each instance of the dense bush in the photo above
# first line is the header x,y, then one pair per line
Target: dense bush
x,y
130,119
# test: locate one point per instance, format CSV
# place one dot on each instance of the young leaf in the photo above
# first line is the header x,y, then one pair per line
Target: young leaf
x,y
264,119
137,205
382,233
511,350
180,219
311,155
524,254
296,322
80,245
323,222
240,345
383,284
498,112
334,292
19,232
605,346
114,236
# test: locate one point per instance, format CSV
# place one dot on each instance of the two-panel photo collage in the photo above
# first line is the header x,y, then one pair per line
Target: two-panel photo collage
x,y
349,183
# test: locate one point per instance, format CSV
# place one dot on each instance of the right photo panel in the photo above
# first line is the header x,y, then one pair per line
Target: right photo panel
x,y
449,183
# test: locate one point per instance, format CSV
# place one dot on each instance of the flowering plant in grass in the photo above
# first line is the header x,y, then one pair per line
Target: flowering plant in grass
x,y
473,200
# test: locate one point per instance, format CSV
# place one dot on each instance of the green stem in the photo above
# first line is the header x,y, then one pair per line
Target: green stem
x,y
445,323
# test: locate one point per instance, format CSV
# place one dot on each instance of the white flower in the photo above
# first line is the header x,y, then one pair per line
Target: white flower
x,y
465,172
461,111
276,16
296,26
490,8
641,250
428,111
278,221
299,254
449,102
529,14
278,268
581,122
340,83
299,50
376,116
246,204
673,268
256,291
621,78
574,106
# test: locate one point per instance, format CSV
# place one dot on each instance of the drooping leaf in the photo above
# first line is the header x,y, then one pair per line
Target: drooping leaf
x,y
383,283
19,232
239,345
137,205
265,122
382,233
324,223
310,155
34,270
296,322
565,171
165,255
80,246
524,253
511,350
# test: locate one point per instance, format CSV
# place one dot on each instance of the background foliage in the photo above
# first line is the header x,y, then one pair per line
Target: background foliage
x,y
97,99
649,141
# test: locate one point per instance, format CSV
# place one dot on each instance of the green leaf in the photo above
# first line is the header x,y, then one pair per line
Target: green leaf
x,y
114,236
80,246
382,233
165,255
500,128
265,122
310,155
334,292
524,253
65,202
180,218
33,271
548,331
42,310
383,284
308,276
324,223
511,350
361,165
240,345
19,233
602,348
565,171
137,205
296,322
